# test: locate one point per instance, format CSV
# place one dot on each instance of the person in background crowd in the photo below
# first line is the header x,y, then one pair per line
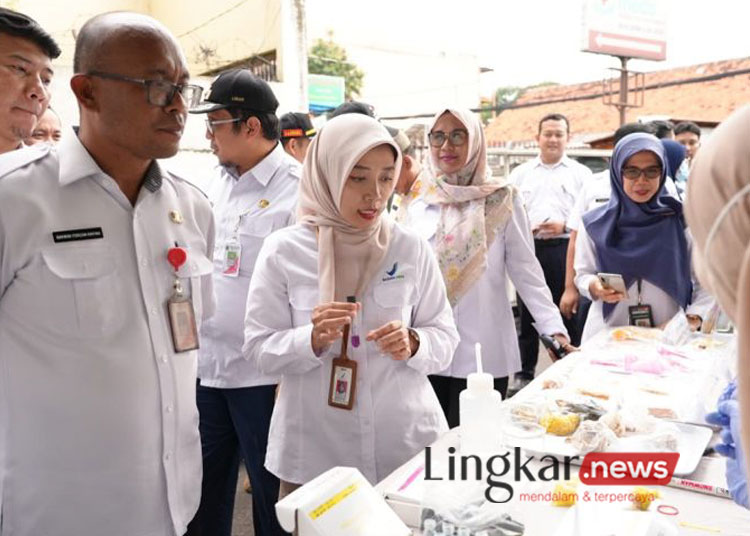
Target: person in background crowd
x,y
47,130
549,186
254,194
296,132
719,218
675,155
408,184
481,235
688,134
99,250
641,235
594,193
663,129
347,264
26,52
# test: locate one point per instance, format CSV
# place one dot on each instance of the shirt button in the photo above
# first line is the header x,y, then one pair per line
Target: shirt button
x,y
169,409
163,358
144,262
153,310
168,456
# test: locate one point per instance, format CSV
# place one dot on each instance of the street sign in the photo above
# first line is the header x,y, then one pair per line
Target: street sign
x,y
324,92
627,28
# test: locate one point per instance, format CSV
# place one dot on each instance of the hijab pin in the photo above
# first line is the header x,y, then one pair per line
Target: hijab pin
x,y
263,203
175,216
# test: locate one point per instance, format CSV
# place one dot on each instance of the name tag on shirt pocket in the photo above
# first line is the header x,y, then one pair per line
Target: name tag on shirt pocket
x,y
303,299
91,272
395,300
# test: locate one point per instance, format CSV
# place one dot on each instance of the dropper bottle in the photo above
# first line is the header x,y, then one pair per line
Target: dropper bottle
x,y
479,412
354,334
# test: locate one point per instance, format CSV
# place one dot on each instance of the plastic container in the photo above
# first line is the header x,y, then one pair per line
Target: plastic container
x,y
480,413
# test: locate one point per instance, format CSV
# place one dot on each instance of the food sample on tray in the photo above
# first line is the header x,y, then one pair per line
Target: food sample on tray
x,y
643,497
624,423
565,493
592,436
595,392
663,413
553,383
561,424
588,409
636,333
665,440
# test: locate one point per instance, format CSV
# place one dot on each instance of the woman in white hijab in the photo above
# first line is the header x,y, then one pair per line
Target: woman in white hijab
x,y
481,235
718,215
401,324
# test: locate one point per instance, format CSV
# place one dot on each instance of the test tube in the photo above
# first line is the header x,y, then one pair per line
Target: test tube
x,y
355,325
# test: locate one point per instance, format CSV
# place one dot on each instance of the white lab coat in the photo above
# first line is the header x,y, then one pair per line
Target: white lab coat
x,y
484,313
663,306
396,413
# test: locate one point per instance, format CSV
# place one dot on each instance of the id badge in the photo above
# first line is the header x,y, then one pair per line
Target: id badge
x,y
231,260
343,378
182,324
640,315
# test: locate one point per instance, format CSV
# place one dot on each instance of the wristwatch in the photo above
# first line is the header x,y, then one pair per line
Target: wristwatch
x,y
414,336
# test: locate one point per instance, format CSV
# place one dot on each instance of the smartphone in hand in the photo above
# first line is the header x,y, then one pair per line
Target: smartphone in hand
x,y
614,282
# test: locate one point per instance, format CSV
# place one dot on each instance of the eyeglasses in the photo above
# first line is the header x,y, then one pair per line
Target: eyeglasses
x,y
633,173
159,92
210,124
455,137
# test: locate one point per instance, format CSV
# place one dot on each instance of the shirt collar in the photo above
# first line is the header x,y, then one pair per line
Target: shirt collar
x,y
76,163
264,170
564,161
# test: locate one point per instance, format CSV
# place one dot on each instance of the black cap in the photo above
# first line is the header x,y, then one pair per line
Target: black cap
x,y
238,88
358,107
296,125
353,107
21,25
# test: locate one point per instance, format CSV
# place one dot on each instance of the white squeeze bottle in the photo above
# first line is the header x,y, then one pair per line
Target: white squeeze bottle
x,y
479,412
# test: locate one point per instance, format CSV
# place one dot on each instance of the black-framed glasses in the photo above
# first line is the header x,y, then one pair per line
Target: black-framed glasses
x,y
211,123
632,172
159,92
455,137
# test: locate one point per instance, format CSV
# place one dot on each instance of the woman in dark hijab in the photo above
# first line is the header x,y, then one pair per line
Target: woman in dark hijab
x,y
641,235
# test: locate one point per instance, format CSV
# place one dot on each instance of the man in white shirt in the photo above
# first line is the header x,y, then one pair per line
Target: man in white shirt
x,y
26,53
104,258
254,194
549,185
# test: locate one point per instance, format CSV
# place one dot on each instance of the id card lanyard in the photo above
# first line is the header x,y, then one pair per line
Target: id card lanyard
x,y
641,314
233,250
180,308
344,370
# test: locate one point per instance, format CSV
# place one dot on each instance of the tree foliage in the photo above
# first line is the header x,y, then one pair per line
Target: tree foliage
x,y
326,57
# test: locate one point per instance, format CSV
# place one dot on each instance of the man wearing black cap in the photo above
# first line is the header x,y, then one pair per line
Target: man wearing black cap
x,y
254,195
296,131
26,51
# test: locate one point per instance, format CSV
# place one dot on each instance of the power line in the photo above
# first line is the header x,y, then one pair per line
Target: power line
x,y
530,104
209,21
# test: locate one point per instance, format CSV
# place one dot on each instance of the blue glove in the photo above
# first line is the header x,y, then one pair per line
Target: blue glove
x,y
732,449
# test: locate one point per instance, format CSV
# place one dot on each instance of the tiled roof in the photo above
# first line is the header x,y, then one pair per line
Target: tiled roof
x,y
708,100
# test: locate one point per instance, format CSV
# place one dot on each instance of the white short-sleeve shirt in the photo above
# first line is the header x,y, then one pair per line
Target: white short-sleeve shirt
x,y
549,191
248,208
98,423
